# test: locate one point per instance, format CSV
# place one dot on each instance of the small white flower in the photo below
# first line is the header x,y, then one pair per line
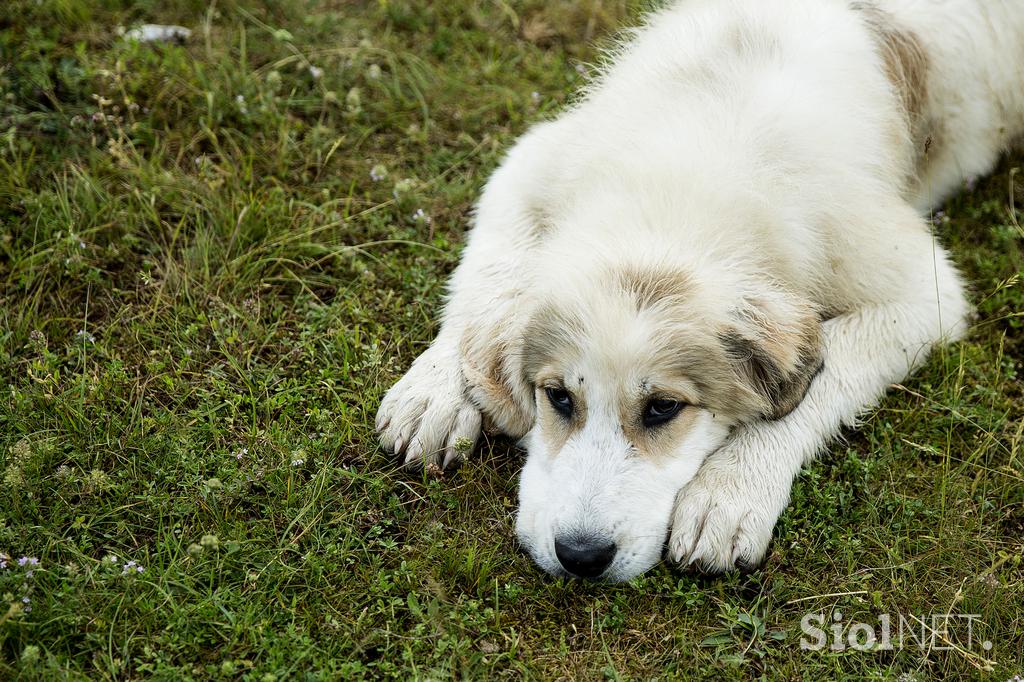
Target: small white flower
x,y
85,336
373,72
316,72
131,567
378,172
298,462
420,216
535,96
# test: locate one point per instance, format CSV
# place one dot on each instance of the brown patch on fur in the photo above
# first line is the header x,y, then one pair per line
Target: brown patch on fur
x,y
547,337
766,378
555,428
906,66
776,350
648,287
690,350
658,442
488,382
906,62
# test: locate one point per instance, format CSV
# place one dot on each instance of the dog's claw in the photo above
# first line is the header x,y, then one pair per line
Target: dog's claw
x,y
414,452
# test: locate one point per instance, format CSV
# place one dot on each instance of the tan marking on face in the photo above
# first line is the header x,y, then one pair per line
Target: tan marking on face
x,y
650,286
691,350
548,338
686,344
556,429
658,442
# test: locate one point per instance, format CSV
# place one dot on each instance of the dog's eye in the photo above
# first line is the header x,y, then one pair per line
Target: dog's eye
x,y
560,400
661,410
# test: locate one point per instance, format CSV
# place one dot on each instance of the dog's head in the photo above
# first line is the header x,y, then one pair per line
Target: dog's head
x,y
639,374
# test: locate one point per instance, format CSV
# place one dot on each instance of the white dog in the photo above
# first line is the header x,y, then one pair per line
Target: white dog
x,y
677,292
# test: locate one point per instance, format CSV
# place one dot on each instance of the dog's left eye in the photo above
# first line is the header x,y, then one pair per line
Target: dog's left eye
x,y
661,410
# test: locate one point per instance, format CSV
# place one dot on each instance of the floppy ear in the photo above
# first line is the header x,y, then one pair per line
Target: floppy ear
x,y
490,366
774,342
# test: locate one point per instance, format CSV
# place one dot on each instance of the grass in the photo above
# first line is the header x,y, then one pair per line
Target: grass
x,y
204,295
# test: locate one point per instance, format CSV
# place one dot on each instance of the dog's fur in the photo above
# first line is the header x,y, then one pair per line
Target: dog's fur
x,y
732,218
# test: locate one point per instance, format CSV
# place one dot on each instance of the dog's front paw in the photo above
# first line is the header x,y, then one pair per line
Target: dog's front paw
x,y
724,517
427,417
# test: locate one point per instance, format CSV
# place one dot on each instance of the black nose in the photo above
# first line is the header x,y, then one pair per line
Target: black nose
x,y
587,558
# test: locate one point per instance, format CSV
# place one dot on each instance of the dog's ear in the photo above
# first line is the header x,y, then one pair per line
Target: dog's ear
x,y
494,380
774,342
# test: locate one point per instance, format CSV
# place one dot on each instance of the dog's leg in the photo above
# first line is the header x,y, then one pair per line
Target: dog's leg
x,y
433,414
725,515
429,415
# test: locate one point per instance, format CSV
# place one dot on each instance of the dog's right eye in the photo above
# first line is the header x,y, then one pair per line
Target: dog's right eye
x,y
560,400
